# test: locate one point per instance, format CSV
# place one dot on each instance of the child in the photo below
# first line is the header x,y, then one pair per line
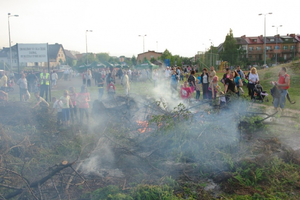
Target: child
x,y
57,105
186,92
66,105
41,102
214,87
199,78
111,89
197,90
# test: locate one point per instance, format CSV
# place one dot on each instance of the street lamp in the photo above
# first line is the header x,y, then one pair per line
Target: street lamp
x,y
9,15
143,41
276,39
265,34
86,46
211,60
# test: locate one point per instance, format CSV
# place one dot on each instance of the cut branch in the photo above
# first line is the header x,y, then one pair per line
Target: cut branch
x,y
39,182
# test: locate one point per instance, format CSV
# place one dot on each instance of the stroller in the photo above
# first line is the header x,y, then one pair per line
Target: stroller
x,y
259,94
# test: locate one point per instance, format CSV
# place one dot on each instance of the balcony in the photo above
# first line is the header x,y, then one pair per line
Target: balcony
x,y
287,50
256,51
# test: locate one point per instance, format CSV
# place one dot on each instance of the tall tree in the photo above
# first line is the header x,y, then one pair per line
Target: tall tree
x,y
133,60
103,57
230,49
166,55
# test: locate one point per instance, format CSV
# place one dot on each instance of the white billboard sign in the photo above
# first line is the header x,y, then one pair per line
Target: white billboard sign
x,y
33,53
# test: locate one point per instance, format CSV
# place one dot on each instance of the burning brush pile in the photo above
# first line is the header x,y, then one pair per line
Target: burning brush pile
x,y
129,141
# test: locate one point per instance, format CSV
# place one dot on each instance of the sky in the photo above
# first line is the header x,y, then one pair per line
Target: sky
x,y
184,27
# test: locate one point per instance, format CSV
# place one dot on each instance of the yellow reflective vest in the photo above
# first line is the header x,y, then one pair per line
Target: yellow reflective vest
x,y
47,79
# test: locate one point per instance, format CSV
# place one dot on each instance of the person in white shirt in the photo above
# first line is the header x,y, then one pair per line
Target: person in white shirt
x,y
57,105
54,78
253,80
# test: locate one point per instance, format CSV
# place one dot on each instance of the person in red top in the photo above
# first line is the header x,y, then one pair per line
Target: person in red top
x,y
185,91
283,85
111,90
83,99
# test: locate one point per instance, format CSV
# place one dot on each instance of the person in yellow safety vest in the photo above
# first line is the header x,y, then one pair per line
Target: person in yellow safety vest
x,y
45,81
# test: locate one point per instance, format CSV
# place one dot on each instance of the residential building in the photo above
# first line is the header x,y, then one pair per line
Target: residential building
x,y
57,55
297,38
243,46
255,48
71,58
148,55
286,47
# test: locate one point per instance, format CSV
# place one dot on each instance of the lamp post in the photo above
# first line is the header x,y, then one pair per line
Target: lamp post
x,y
265,34
276,39
86,46
10,55
211,54
143,41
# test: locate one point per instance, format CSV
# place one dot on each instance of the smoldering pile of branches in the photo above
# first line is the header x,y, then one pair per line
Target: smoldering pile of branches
x,y
21,113
28,169
178,143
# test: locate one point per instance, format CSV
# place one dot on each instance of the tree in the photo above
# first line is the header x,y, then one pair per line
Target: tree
x,y
166,55
177,60
186,61
103,57
71,62
230,49
152,60
133,60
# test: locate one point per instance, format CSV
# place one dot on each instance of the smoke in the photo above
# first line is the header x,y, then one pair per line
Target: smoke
x,y
100,162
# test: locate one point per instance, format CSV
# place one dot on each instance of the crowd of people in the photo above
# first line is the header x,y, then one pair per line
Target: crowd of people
x,y
194,84
231,84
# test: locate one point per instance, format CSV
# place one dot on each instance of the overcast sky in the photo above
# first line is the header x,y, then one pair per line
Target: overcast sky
x,y
181,26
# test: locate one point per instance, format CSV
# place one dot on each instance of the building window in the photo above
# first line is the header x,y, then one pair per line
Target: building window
x,y
268,47
272,40
255,40
276,47
250,48
258,48
292,47
285,47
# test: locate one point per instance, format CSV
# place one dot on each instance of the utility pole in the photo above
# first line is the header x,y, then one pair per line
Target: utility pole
x,y
265,35
143,41
86,46
276,38
10,54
